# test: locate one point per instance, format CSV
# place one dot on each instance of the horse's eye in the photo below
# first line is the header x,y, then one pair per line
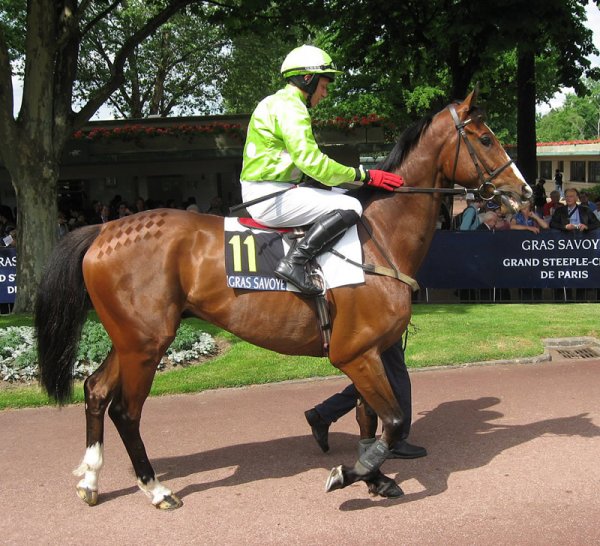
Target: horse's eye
x,y
485,140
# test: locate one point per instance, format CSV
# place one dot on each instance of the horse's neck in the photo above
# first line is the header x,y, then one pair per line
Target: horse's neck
x,y
405,223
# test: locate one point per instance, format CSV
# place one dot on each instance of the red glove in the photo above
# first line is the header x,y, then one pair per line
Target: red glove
x,y
384,180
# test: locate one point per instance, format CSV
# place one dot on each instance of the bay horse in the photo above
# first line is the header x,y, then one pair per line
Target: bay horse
x,y
143,272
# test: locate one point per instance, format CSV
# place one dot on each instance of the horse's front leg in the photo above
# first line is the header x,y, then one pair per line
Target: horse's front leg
x,y
366,419
369,377
367,423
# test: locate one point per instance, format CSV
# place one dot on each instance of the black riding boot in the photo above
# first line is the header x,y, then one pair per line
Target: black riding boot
x,y
319,237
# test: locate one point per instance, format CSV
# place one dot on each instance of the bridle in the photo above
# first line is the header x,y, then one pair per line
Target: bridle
x,y
487,190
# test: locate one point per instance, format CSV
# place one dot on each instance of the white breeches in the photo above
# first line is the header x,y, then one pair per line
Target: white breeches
x,y
297,207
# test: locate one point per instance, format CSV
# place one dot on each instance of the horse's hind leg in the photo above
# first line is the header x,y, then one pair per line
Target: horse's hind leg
x,y
371,381
137,373
99,389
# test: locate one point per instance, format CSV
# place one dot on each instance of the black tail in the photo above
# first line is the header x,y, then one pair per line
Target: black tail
x,y
60,311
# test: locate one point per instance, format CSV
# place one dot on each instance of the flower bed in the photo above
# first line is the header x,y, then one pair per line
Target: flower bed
x,y
18,351
184,130
135,132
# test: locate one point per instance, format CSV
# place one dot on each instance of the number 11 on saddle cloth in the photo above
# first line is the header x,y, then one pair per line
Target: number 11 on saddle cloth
x,y
252,254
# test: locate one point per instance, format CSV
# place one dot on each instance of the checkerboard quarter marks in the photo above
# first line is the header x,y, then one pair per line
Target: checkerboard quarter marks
x,y
132,229
143,272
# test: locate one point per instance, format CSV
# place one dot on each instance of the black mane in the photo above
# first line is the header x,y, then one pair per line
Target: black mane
x,y
410,137
407,141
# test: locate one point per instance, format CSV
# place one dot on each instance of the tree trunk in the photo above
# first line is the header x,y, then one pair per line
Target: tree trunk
x,y
526,141
37,214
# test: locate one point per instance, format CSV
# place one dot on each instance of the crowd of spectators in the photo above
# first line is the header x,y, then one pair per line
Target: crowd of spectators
x,y
573,210
8,231
71,217
537,216
565,210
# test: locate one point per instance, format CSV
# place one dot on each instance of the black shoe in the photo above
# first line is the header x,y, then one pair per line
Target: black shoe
x,y
328,228
320,428
404,450
295,273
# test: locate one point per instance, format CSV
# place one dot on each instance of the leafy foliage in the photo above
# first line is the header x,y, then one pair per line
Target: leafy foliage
x,y
252,69
190,345
17,359
18,351
577,119
423,55
174,70
12,21
94,345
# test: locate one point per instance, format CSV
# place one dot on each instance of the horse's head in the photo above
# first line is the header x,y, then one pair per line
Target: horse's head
x,y
475,158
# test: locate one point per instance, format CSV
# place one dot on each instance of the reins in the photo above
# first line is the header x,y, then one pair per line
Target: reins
x,y
447,191
379,269
486,191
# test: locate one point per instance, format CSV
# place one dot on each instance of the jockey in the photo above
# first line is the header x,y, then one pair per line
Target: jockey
x,y
280,148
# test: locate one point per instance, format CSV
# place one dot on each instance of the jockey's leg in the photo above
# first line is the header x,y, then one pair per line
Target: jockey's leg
x,y
323,233
330,212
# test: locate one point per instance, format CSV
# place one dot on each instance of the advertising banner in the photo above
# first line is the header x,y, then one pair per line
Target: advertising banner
x,y
512,259
8,274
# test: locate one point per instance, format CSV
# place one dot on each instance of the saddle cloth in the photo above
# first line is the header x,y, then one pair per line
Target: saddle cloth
x,y
252,254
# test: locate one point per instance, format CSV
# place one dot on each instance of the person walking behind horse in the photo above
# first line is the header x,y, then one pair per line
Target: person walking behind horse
x,y
281,148
330,410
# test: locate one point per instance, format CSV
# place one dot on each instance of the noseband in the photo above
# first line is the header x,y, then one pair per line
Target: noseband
x,y
487,190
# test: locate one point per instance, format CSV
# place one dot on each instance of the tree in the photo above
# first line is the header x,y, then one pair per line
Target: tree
x,y
33,142
251,70
533,33
175,69
444,46
577,119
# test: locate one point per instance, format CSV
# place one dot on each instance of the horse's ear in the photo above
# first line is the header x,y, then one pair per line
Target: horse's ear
x,y
471,100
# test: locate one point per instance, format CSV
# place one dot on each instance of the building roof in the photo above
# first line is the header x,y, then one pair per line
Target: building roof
x,y
569,147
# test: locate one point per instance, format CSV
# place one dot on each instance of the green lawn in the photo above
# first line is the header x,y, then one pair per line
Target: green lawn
x,y
440,335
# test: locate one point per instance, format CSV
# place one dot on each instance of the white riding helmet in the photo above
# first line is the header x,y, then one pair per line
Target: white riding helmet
x,y
308,59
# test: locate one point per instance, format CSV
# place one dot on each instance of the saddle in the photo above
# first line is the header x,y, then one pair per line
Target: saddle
x,y
292,235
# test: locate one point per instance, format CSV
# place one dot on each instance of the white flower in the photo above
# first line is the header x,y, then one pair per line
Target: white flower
x,y
18,357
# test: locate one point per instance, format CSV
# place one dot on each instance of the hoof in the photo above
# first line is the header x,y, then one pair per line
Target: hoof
x,y
170,502
335,479
385,487
87,495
